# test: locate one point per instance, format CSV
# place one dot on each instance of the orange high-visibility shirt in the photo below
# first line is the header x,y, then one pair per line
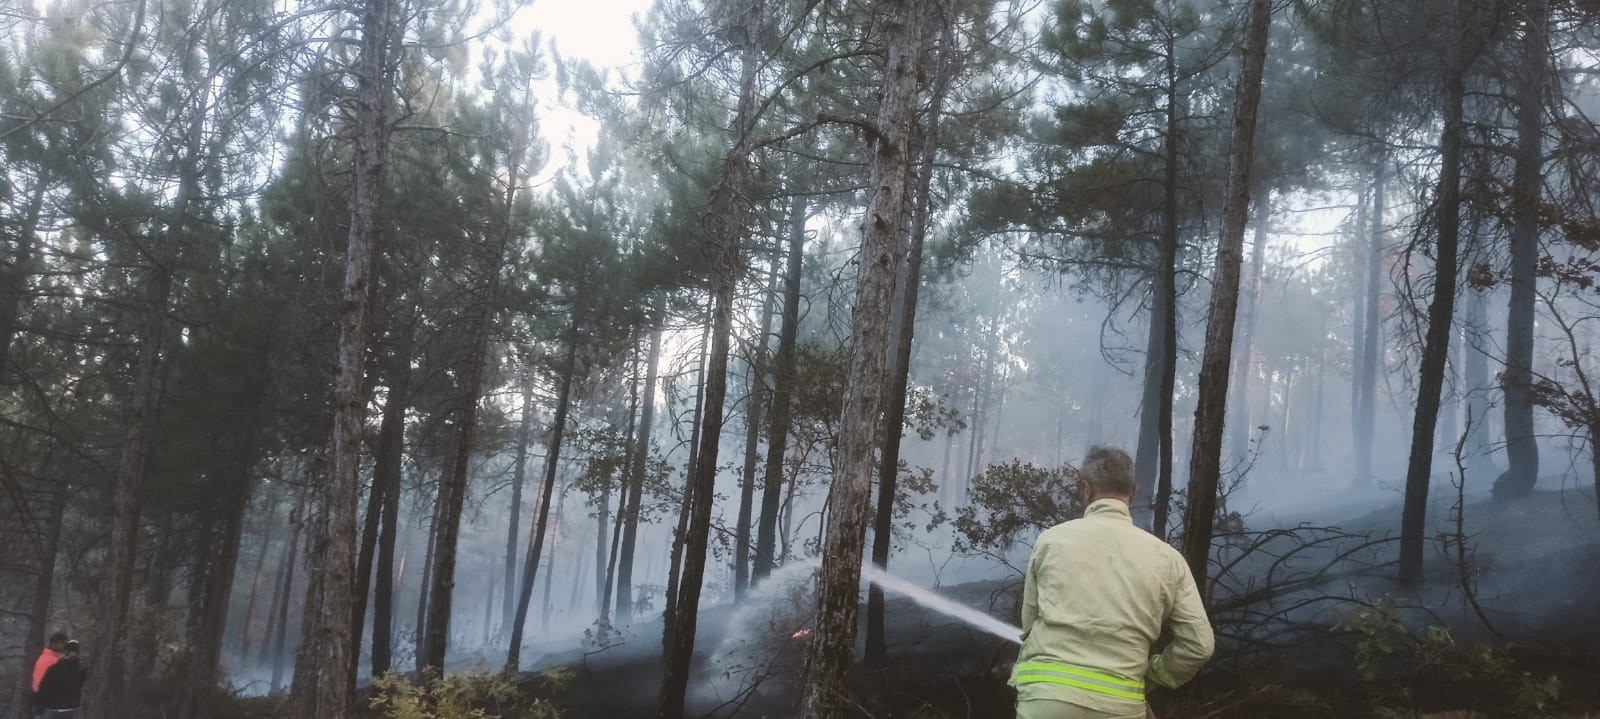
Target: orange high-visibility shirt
x,y
47,659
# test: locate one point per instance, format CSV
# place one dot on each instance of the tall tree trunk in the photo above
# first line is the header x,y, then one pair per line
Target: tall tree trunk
x,y
386,473
1436,345
441,597
107,694
325,692
1475,381
280,637
1522,449
519,474
536,535
1244,369
604,605
640,465
752,436
727,216
882,246
243,646
425,585
782,393
899,367
1366,416
1205,458
208,610
1153,463
686,505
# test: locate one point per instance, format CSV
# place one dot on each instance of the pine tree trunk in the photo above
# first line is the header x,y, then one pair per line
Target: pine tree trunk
x,y
640,465
1206,457
328,649
243,646
280,637
519,474
1522,449
108,692
782,394
1366,416
208,612
726,218
616,542
386,474
536,535
1244,369
752,435
425,586
899,368
687,504
1475,380
1436,345
1153,465
882,247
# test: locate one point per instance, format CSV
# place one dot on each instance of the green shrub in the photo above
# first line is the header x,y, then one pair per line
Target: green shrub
x,y
469,695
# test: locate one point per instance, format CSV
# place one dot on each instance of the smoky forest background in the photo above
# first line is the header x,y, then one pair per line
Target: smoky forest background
x,y
388,358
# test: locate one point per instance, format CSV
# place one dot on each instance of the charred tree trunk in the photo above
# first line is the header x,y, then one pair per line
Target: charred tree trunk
x,y
1206,458
1441,310
530,566
782,393
882,246
640,465
1522,449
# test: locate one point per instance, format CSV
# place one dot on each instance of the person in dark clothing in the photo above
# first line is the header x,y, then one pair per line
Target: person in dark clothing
x,y
61,690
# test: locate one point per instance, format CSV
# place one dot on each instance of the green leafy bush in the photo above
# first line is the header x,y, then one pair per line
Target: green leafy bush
x,y
469,695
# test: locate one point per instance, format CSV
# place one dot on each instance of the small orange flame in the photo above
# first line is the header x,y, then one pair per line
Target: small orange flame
x,y
802,634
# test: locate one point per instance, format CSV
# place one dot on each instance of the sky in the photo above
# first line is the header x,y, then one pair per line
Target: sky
x,y
599,31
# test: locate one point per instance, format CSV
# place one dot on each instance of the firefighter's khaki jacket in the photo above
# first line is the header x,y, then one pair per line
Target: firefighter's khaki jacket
x,y
1099,592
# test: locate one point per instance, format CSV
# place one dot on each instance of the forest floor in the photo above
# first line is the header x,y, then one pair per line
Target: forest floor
x,y
1538,578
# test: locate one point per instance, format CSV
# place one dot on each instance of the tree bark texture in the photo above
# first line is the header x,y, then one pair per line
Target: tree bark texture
x,y
899,368
325,693
1211,411
883,243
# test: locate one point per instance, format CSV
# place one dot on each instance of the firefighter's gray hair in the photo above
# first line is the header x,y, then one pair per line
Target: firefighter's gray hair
x,y
1109,470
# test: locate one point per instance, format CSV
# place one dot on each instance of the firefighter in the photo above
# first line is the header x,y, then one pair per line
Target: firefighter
x,y
1099,592
52,653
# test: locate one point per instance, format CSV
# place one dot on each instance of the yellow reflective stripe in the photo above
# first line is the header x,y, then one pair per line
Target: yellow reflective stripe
x,y
1085,685
1081,672
1080,678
